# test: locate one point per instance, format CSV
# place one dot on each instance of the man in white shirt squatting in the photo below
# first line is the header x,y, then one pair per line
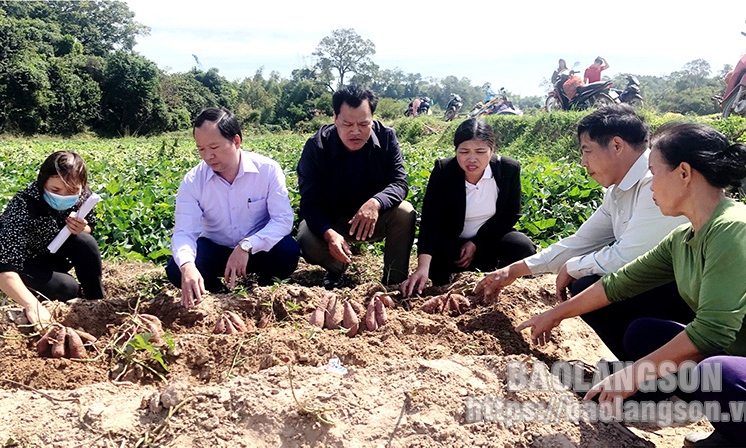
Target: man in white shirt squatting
x,y
613,142
233,214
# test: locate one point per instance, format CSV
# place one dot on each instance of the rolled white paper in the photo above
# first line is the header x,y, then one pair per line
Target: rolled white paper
x,y
61,237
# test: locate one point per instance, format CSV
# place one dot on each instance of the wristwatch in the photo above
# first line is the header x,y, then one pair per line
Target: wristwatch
x,y
245,245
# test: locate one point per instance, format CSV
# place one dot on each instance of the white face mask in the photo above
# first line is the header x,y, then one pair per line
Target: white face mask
x,y
59,202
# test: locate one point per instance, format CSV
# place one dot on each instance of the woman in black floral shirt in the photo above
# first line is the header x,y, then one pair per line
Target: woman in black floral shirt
x,y
33,217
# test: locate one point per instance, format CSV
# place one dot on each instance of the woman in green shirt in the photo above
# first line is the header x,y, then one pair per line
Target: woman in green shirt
x,y
692,166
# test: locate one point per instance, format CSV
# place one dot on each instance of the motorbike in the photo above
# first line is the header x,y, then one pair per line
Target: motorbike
x,y
631,94
422,109
453,107
595,94
499,105
733,100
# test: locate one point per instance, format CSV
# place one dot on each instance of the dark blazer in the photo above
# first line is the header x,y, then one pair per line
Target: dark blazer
x,y
444,205
323,176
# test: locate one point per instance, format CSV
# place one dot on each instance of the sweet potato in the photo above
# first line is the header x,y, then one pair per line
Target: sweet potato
x,y
370,316
237,322
434,305
334,313
229,327
58,346
357,307
457,303
380,312
219,325
318,316
385,298
49,338
86,337
75,346
350,320
153,324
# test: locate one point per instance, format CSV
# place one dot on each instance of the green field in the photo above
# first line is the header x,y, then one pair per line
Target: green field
x,y
139,177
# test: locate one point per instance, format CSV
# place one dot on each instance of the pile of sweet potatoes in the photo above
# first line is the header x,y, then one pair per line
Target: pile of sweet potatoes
x,y
448,303
334,313
60,341
231,323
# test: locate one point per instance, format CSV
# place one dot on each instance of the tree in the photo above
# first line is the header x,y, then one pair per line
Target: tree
x,y
346,52
130,96
102,26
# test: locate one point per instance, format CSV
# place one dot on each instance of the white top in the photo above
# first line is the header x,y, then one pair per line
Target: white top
x,y
481,203
255,205
627,225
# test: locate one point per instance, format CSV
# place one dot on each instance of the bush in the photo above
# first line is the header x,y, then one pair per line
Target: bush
x,y
390,109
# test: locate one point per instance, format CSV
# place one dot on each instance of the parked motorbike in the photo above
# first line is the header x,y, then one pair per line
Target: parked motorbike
x,y
595,94
453,107
423,107
631,94
500,105
733,100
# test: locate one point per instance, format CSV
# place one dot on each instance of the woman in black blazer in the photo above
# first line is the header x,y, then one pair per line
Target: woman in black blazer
x,y
472,202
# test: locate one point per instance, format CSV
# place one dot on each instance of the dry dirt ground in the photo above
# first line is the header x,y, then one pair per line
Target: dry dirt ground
x,y
406,384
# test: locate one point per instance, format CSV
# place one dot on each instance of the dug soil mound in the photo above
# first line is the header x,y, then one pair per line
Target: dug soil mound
x,y
407,384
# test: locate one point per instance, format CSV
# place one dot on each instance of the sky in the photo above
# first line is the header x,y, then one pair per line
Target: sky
x,y
512,44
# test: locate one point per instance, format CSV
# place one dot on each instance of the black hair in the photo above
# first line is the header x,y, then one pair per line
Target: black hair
x,y
617,120
66,164
705,149
474,129
353,96
226,121
599,61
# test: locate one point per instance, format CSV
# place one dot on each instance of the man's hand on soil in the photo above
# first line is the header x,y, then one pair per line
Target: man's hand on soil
x,y
363,223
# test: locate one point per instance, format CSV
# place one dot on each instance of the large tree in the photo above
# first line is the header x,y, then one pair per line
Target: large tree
x,y
346,52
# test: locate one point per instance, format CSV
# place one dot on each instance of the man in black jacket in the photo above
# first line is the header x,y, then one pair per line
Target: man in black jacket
x,y
352,186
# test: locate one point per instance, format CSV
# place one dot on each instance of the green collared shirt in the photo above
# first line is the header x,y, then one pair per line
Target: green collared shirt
x,y
709,268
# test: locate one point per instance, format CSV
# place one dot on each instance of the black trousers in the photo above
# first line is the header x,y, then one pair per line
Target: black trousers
x,y
48,273
279,262
512,247
611,322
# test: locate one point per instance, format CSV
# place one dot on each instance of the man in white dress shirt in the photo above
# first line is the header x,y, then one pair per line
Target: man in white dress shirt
x,y
613,141
233,214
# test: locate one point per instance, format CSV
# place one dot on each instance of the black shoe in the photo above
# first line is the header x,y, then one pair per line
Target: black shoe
x,y
707,439
332,280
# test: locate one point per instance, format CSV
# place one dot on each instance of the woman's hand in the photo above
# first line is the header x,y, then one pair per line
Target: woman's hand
x,y
37,314
75,224
541,326
467,255
416,281
614,389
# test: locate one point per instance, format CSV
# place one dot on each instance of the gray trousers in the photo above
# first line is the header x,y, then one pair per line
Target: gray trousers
x,y
396,226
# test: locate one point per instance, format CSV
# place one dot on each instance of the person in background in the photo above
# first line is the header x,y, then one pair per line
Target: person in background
x,y
692,165
352,186
562,66
593,72
233,214
613,142
32,219
471,204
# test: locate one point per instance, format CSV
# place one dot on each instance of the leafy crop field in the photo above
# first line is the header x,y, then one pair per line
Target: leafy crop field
x,y
139,177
